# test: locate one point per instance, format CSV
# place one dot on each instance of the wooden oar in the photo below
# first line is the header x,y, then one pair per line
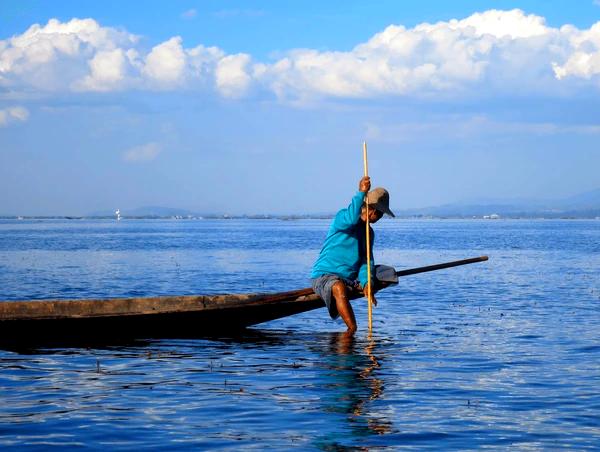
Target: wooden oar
x,y
369,293
430,268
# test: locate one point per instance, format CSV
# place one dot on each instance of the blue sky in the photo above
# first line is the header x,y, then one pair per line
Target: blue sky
x,y
262,107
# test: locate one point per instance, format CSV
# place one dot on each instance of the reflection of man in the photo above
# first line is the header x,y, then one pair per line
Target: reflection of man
x,y
353,381
342,262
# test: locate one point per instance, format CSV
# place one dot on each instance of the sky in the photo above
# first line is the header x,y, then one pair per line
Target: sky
x,y
262,106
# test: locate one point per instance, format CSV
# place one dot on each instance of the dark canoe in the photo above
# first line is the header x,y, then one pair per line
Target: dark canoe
x,y
173,316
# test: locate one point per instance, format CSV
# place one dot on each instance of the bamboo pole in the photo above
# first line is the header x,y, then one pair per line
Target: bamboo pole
x,y
369,293
430,268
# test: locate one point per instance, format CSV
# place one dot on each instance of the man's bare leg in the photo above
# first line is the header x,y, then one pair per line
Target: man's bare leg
x,y
338,290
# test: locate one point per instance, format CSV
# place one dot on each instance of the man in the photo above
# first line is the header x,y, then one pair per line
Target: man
x,y
342,262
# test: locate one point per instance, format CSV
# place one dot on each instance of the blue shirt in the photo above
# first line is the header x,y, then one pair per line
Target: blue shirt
x,y
344,252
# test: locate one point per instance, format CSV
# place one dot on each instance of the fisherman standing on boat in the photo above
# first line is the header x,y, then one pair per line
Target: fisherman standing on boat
x,y
342,262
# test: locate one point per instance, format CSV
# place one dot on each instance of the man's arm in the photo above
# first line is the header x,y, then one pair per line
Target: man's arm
x,y
362,271
348,217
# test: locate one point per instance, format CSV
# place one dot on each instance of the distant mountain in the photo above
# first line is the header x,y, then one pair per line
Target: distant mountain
x,y
587,200
584,205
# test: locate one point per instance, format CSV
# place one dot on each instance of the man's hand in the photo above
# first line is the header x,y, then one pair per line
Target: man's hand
x,y
374,300
365,184
364,291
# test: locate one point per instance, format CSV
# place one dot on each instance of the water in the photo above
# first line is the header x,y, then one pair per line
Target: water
x,y
503,354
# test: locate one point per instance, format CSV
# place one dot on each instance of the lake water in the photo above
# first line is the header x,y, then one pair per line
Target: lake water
x,y
503,354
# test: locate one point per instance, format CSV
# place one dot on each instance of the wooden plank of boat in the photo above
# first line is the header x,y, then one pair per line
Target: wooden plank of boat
x,y
149,317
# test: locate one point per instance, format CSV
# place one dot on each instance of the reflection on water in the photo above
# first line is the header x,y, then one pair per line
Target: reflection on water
x,y
358,361
217,378
351,367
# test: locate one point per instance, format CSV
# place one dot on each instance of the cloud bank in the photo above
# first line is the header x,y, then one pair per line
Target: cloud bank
x,y
13,114
499,52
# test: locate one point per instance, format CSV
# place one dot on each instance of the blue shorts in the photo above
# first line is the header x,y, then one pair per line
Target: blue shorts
x,y
322,287
323,284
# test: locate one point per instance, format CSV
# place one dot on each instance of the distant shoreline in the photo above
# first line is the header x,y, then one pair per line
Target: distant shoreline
x,y
290,217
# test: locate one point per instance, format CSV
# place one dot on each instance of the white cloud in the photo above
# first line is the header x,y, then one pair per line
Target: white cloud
x,y
583,60
143,153
54,56
512,24
446,57
189,14
232,76
203,61
490,53
166,62
108,69
12,114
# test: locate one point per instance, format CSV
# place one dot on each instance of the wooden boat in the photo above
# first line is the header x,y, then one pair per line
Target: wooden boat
x,y
148,317
167,316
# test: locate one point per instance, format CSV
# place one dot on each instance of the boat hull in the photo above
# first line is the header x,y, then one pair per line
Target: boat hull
x,y
178,316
